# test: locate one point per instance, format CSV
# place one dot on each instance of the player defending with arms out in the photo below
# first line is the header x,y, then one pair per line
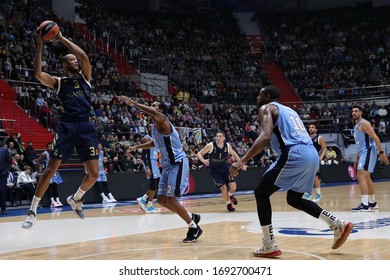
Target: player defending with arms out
x,y
175,168
293,171
320,145
74,128
150,162
367,143
218,153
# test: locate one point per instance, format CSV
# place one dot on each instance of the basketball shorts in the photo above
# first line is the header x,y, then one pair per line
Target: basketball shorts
x,y
174,179
81,135
295,169
367,160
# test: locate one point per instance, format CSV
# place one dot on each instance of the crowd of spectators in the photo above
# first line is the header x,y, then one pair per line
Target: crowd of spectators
x,y
330,54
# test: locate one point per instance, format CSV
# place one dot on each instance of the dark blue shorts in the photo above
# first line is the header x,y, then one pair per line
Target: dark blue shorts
x,y
221,176
81,135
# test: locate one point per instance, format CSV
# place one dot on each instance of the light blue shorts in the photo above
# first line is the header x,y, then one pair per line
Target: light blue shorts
x,y
367,160
174,179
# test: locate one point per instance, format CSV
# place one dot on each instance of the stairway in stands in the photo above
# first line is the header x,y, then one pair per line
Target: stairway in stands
x,y
30,129
278,79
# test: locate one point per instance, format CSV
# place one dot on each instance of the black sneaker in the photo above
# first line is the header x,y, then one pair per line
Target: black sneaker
x,y
230,208
193,234
195,218
233,200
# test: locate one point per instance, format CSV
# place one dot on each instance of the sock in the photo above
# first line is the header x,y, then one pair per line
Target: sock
x,y
145,197
34,204
192,225
230,194
58,200
268,233
318,191
371,198
79,194
328,218
52,199
228,201
150,203
365,199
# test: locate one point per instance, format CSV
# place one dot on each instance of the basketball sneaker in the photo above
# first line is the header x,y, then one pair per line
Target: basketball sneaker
x,y
77,206
373,206
306,196
361,208
193,234
230,207
111,198
341,232
54,204
150,210
233,200
142,203
195,218
30,220
269,250
59,204
317,197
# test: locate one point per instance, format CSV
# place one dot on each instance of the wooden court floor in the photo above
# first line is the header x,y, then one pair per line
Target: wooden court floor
x,y
123,232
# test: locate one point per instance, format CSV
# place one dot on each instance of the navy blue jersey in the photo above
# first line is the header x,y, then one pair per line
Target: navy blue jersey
x,y
315,143
75,97
218,156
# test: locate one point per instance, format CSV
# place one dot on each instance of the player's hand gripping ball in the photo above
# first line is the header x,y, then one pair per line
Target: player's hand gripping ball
x,y
49,30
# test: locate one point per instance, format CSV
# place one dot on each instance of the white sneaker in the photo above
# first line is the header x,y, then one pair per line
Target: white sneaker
x,y
54,204
59,204
111,198
77,206
106,200
341,232
30,220
142,203
269,250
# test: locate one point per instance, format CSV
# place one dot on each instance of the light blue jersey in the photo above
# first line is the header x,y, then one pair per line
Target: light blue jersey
x,y
56,177
175,174
366,149
102,174
297,161
170,146
150,158
288,130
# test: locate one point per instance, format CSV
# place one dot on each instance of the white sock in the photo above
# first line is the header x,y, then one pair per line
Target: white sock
x,y
79,194
228,201
145,197
318,191
328,218
150,203
365,199
192,225
52,199
268,233
371,198
58,200
34,204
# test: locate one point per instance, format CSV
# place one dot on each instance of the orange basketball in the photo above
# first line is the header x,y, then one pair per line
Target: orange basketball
x,y
50,30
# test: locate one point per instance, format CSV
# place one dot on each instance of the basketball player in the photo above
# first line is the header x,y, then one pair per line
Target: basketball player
x,y
175,168
102,182
150,161
218,155
55,181
293,171
74,128
320,145
367,143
